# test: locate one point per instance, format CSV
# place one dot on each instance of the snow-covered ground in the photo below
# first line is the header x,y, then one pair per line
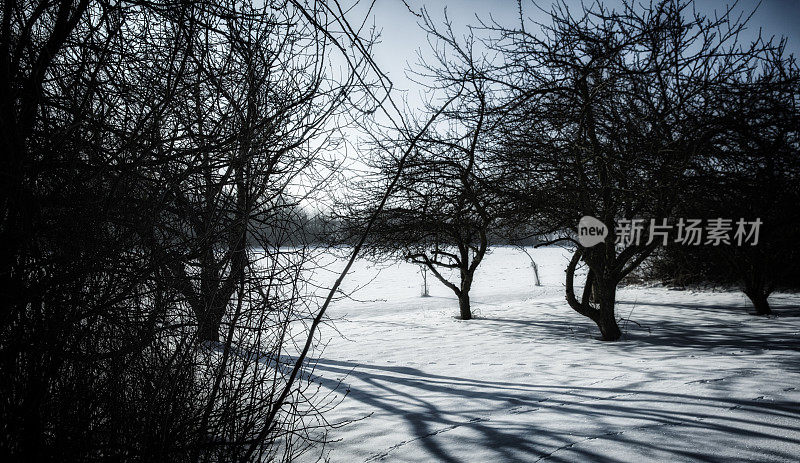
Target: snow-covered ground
x,y
695,377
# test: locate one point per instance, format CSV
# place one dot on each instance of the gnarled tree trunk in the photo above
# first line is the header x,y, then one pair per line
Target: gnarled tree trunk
x,y
604,289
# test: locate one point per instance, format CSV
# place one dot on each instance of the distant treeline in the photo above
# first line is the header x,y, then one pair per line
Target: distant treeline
x,y
293,225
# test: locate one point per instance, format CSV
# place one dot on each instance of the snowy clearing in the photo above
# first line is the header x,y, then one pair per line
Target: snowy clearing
x,y
695,378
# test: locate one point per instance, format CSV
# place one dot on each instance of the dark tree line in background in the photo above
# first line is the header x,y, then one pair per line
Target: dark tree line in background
x,y
753,172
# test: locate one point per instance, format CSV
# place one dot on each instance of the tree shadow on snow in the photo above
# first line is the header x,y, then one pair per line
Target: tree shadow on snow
x,y
521,421
551,420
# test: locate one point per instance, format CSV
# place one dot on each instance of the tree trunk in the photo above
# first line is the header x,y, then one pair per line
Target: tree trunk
x,y
207,332
755,289
208,326
463,295
606,292
607,319
760,303
425,292
463,305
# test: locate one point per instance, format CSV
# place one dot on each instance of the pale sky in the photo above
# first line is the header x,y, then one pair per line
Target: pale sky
x,y
401,36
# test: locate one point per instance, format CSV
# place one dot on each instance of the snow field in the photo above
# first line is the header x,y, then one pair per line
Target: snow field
x,y
695,377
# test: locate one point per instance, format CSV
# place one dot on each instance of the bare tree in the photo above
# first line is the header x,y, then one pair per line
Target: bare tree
x,y
437,219
258,99
608,110
441,211
752,174
147,144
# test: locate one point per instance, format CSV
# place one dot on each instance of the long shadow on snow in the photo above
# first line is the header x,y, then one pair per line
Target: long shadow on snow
x,y
699,327
407,392
402,391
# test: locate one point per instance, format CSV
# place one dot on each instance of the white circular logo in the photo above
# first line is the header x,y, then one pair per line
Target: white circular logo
x,y
591,231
